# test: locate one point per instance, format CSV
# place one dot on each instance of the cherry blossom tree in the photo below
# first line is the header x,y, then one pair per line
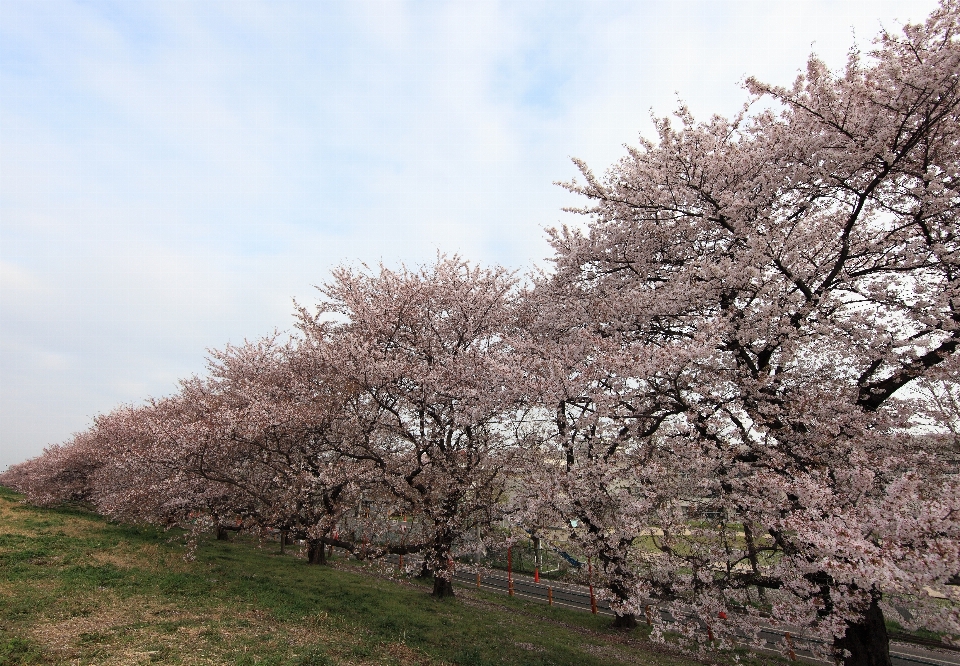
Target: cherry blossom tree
x,y
251,428
427,358
585,470
771,282
253,444
251,440
64,474
141,480
119,468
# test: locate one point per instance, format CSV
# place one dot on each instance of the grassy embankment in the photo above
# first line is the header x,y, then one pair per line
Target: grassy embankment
x,y
76,589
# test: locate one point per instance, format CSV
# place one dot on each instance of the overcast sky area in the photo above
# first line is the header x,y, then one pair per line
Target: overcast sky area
x,y
173,174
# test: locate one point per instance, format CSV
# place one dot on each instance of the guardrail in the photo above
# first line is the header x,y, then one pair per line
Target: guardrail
x,y
577,597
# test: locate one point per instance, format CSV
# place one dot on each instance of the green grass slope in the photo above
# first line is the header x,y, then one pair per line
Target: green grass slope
x,y
77,589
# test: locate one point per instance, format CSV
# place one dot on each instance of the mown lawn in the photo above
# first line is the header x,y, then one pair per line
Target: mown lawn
x,y
76,589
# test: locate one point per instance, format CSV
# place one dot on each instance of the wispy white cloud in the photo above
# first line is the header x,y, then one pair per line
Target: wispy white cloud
x,y
172,175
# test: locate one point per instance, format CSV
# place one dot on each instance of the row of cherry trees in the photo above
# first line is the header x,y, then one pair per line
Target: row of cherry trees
x,y
738,380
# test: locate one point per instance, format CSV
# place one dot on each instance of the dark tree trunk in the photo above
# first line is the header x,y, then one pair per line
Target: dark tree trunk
x,y
222,533
439,564
625,621
442,587
620,591
425,570
316,552
283,541
866,640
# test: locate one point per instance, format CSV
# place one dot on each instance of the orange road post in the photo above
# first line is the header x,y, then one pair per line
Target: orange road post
x,y
593,598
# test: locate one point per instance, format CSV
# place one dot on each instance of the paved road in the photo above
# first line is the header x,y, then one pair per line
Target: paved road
x,y
578,597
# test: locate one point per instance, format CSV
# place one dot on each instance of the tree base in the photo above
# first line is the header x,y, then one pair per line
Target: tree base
x,y
626,621
442,587
866,640
316,552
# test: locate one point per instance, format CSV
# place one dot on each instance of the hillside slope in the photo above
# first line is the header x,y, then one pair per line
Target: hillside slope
x,y
77,589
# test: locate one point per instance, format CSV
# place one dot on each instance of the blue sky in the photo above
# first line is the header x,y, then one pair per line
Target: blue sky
x,y
173,174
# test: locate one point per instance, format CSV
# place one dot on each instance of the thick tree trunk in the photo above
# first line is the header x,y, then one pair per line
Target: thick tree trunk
x,y
283,541
442,587
316,552
620,590
625,621
222,534
867,640
440,565
425,570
